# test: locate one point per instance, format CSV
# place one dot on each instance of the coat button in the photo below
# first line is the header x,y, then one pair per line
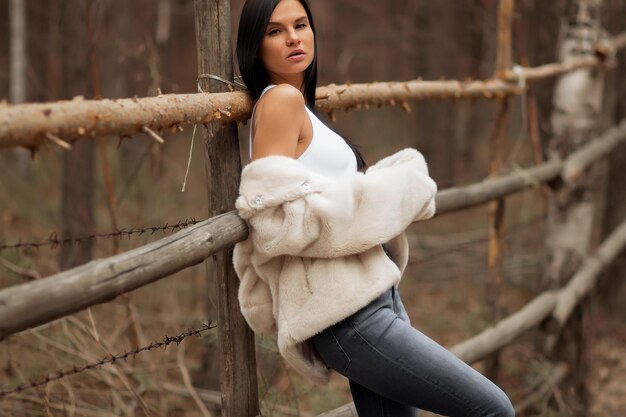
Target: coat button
x,y
258,200
306,185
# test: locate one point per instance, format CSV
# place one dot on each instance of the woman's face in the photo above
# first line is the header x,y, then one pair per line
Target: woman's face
x,y
288,46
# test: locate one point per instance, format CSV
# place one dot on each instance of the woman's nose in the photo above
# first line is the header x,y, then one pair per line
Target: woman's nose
x,y
293,38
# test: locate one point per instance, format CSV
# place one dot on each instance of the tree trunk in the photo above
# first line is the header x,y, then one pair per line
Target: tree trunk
x,y
573,209
18,65
613,288
77,182
164,15
18,62
436,116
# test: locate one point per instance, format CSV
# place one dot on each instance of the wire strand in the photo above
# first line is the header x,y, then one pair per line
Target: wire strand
x,y
62,373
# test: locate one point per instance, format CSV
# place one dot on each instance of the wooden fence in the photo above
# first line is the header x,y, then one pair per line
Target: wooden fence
x,y
22,306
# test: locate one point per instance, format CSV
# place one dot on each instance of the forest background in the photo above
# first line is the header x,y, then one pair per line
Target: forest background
x,y
138,48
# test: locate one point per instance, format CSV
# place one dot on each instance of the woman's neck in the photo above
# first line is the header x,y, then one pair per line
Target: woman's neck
x,y
295,80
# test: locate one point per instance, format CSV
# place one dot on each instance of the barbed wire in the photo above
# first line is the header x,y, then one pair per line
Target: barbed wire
x,y
60,374
54,241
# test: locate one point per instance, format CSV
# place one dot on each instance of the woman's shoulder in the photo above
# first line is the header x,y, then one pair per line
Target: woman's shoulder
x,y
282,95
282,102
278,121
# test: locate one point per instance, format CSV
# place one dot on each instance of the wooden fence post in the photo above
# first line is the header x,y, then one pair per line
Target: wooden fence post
x,y
223,168
496,208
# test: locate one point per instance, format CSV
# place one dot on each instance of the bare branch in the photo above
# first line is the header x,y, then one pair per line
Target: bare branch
x,y
553,380
152,134
58,141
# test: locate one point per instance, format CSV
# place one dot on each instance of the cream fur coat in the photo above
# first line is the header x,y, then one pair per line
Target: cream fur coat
x,y
313,255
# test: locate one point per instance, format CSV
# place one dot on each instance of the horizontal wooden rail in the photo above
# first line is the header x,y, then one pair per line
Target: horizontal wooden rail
x,y
31,304
460,198
31,125
556,305
507,330
27,305
587,276
551,70
348,96
554,70
578,161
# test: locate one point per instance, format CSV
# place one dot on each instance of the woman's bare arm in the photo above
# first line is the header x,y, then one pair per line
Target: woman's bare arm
x,y
278,122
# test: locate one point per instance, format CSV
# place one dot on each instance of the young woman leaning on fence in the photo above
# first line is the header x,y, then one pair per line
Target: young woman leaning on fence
x,y
327,247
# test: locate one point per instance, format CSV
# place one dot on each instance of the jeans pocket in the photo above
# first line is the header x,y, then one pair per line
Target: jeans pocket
x,y
332,353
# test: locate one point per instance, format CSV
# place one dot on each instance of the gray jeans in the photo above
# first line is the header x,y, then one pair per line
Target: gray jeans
x,y
394,369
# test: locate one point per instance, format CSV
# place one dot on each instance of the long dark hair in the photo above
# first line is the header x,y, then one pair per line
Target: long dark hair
x,y
255,16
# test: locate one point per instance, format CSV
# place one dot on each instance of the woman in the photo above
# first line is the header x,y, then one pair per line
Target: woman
x,y
327,247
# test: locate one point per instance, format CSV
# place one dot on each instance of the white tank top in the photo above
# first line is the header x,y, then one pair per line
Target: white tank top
x,y
327,154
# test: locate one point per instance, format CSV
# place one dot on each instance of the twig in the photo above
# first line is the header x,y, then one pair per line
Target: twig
x,y
152,134
215,397
58,141
553,381
84,411
180,360
23,272
108,187
72,395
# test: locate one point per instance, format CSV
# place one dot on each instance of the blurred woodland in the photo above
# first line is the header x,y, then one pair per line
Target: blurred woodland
x,y
129,188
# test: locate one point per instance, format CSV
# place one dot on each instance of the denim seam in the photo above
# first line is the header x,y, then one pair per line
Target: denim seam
x,y
341,349
462,402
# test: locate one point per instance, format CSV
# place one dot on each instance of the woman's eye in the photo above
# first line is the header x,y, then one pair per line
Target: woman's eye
x,y
273,32
300,25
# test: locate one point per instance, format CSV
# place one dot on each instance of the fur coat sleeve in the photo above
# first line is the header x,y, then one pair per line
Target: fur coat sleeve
x,y
293,211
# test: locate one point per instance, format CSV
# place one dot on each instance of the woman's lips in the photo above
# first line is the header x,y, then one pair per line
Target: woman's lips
x,y
296,57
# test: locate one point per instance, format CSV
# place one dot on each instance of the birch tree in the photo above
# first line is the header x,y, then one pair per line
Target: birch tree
x,y
578,99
